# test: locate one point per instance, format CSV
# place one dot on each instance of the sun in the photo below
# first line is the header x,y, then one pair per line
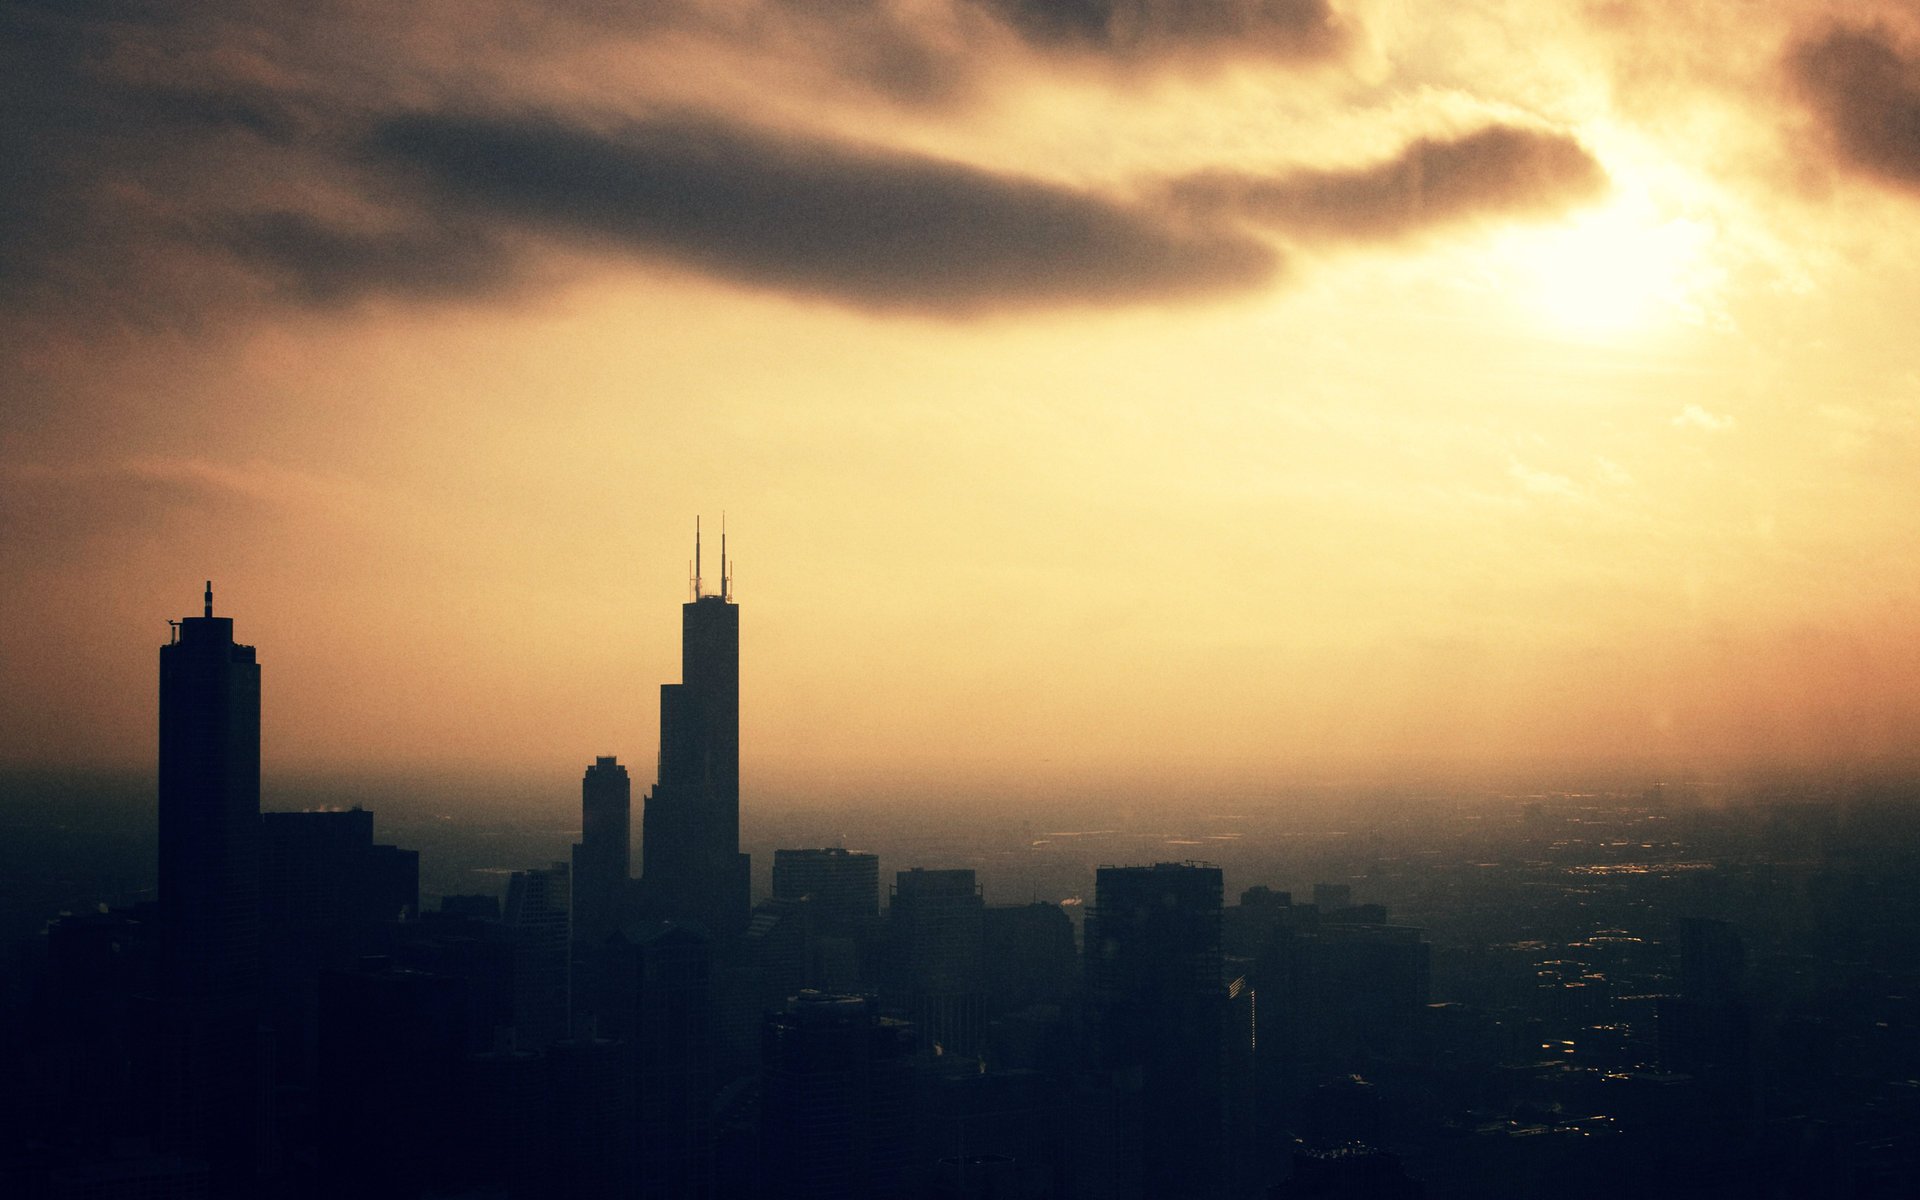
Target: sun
x,y
1618,269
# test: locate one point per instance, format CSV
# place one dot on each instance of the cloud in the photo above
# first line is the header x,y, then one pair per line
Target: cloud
x,y
1866,93
1542,483
327,265
1499,170
1165,29
59,506
869,227
1695,417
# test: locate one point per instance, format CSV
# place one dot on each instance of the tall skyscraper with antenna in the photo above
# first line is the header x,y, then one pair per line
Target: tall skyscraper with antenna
x,y
209,810
198,1068
691,866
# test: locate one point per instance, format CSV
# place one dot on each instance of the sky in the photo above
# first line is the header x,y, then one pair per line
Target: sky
x,y
1101,394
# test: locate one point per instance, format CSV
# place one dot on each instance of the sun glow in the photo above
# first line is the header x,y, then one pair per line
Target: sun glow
x,y
1618,269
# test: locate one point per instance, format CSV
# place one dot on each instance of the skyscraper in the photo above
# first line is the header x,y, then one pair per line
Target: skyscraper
x,y
1157,1006
836,1111
938,929
198,1067
209,810
842,885
537,912
603,859
691,865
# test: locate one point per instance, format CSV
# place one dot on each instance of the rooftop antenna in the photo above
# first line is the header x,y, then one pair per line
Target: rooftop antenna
x,y
696,558
209,597
726,588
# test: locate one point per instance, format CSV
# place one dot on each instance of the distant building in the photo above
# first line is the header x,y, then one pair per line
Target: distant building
x,y
323,869
691,865
836,1109
537,913
1333,994
841,886
1706,1030
1030,957
603,859
937,923
199,1060
1158,1011
391,1067
656,995
209,804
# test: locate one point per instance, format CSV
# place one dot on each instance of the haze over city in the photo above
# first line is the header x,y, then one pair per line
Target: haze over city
x,y
1135,394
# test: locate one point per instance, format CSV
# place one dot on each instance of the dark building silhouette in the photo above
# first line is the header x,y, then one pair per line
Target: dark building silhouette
x,y
209,885
602,860
323,869
199,1053
778,948
691,865
1158,1013
1705,1030
836,1109
537,914
988,1132
505,1134
591,1112
840,894
937,925
1334,994
1030,957
842,886
393,1045
656,995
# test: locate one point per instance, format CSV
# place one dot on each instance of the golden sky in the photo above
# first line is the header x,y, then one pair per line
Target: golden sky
x,y
1101,393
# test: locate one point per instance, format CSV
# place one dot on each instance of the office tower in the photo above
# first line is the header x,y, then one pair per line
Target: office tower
x,y
938,926
209,801
1157,1006
1706,1029
657,994
393,1047
777,948
841,886
590,1105
691,865
1248,926
323,869
1334,995
1030,956
602,860
504,1138
537,914
198,1068
836,1108
991,1132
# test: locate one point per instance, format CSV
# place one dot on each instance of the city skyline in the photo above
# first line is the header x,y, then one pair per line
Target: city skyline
x,y
1132,395
1621,993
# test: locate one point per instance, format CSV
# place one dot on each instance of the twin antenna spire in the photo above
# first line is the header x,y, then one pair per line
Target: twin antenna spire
x,y
726,576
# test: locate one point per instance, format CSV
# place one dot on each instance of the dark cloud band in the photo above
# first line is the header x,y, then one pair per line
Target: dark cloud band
x,y
872,228
1275,29
1499,170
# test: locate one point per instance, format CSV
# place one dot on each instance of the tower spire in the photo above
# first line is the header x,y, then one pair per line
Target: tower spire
x,y
725,586
209,598
696,557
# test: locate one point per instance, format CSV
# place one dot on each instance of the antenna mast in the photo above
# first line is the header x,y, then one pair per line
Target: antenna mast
x,y
726,580
209,597
696,558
